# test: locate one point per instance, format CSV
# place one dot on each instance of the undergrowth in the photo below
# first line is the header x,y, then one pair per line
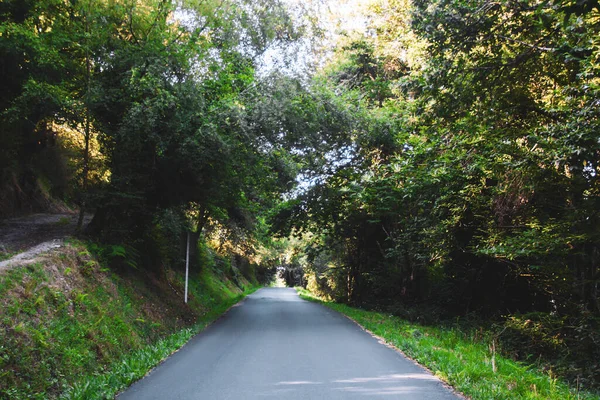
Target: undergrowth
x,y
468,360
71,326
134,366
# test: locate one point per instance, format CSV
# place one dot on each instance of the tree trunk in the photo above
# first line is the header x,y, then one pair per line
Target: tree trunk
x,y
86,151
84,183
195,236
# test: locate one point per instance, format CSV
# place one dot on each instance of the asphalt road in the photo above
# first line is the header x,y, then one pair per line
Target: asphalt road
x,y
276,346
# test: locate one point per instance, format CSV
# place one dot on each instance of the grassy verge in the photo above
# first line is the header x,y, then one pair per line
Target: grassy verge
x,y
71,327
464,360
134,366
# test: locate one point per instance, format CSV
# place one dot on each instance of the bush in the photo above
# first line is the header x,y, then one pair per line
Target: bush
x,y
568,346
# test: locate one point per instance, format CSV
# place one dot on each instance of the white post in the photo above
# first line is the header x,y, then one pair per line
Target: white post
x,y
187,265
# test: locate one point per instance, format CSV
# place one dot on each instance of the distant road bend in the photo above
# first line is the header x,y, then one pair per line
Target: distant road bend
x,y
275,345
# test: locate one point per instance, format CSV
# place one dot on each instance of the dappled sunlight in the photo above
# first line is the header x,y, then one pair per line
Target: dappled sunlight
x,y
275,294
278,282
409,385
389,378
384,391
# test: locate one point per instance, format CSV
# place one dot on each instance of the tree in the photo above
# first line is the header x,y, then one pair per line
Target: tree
x,y
463,187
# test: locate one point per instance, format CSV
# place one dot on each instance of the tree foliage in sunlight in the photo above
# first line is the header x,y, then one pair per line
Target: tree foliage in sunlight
x,y
448,156
473,182
171,93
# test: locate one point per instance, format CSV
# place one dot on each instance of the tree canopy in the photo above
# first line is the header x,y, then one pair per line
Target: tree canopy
x,y
446,155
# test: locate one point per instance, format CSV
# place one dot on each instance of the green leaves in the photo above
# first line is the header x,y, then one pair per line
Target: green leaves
x,y
474,159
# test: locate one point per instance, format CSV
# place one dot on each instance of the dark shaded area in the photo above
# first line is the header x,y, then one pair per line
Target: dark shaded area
x,y
18,234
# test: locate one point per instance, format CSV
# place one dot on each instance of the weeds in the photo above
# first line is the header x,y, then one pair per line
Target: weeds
x,y
63,221
71,327
136,365
466,360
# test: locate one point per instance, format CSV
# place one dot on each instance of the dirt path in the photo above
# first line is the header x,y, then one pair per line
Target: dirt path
x,y
30,255
26,237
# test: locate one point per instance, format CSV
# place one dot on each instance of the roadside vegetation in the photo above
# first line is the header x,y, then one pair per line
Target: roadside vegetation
x,y
469,188
72,327
439,163
471,360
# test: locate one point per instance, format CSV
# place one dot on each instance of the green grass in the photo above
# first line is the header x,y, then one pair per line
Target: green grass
x,y
136,365
63,221
72,327
465,360
5,255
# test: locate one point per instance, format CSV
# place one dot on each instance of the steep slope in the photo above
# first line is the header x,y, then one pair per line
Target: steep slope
x,y
67,321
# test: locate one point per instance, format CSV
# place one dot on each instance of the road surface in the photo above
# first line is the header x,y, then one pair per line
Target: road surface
x,y
275,345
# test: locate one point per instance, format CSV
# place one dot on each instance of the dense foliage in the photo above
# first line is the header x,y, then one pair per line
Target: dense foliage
x,y
166,95
471,181
446,158
472,170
